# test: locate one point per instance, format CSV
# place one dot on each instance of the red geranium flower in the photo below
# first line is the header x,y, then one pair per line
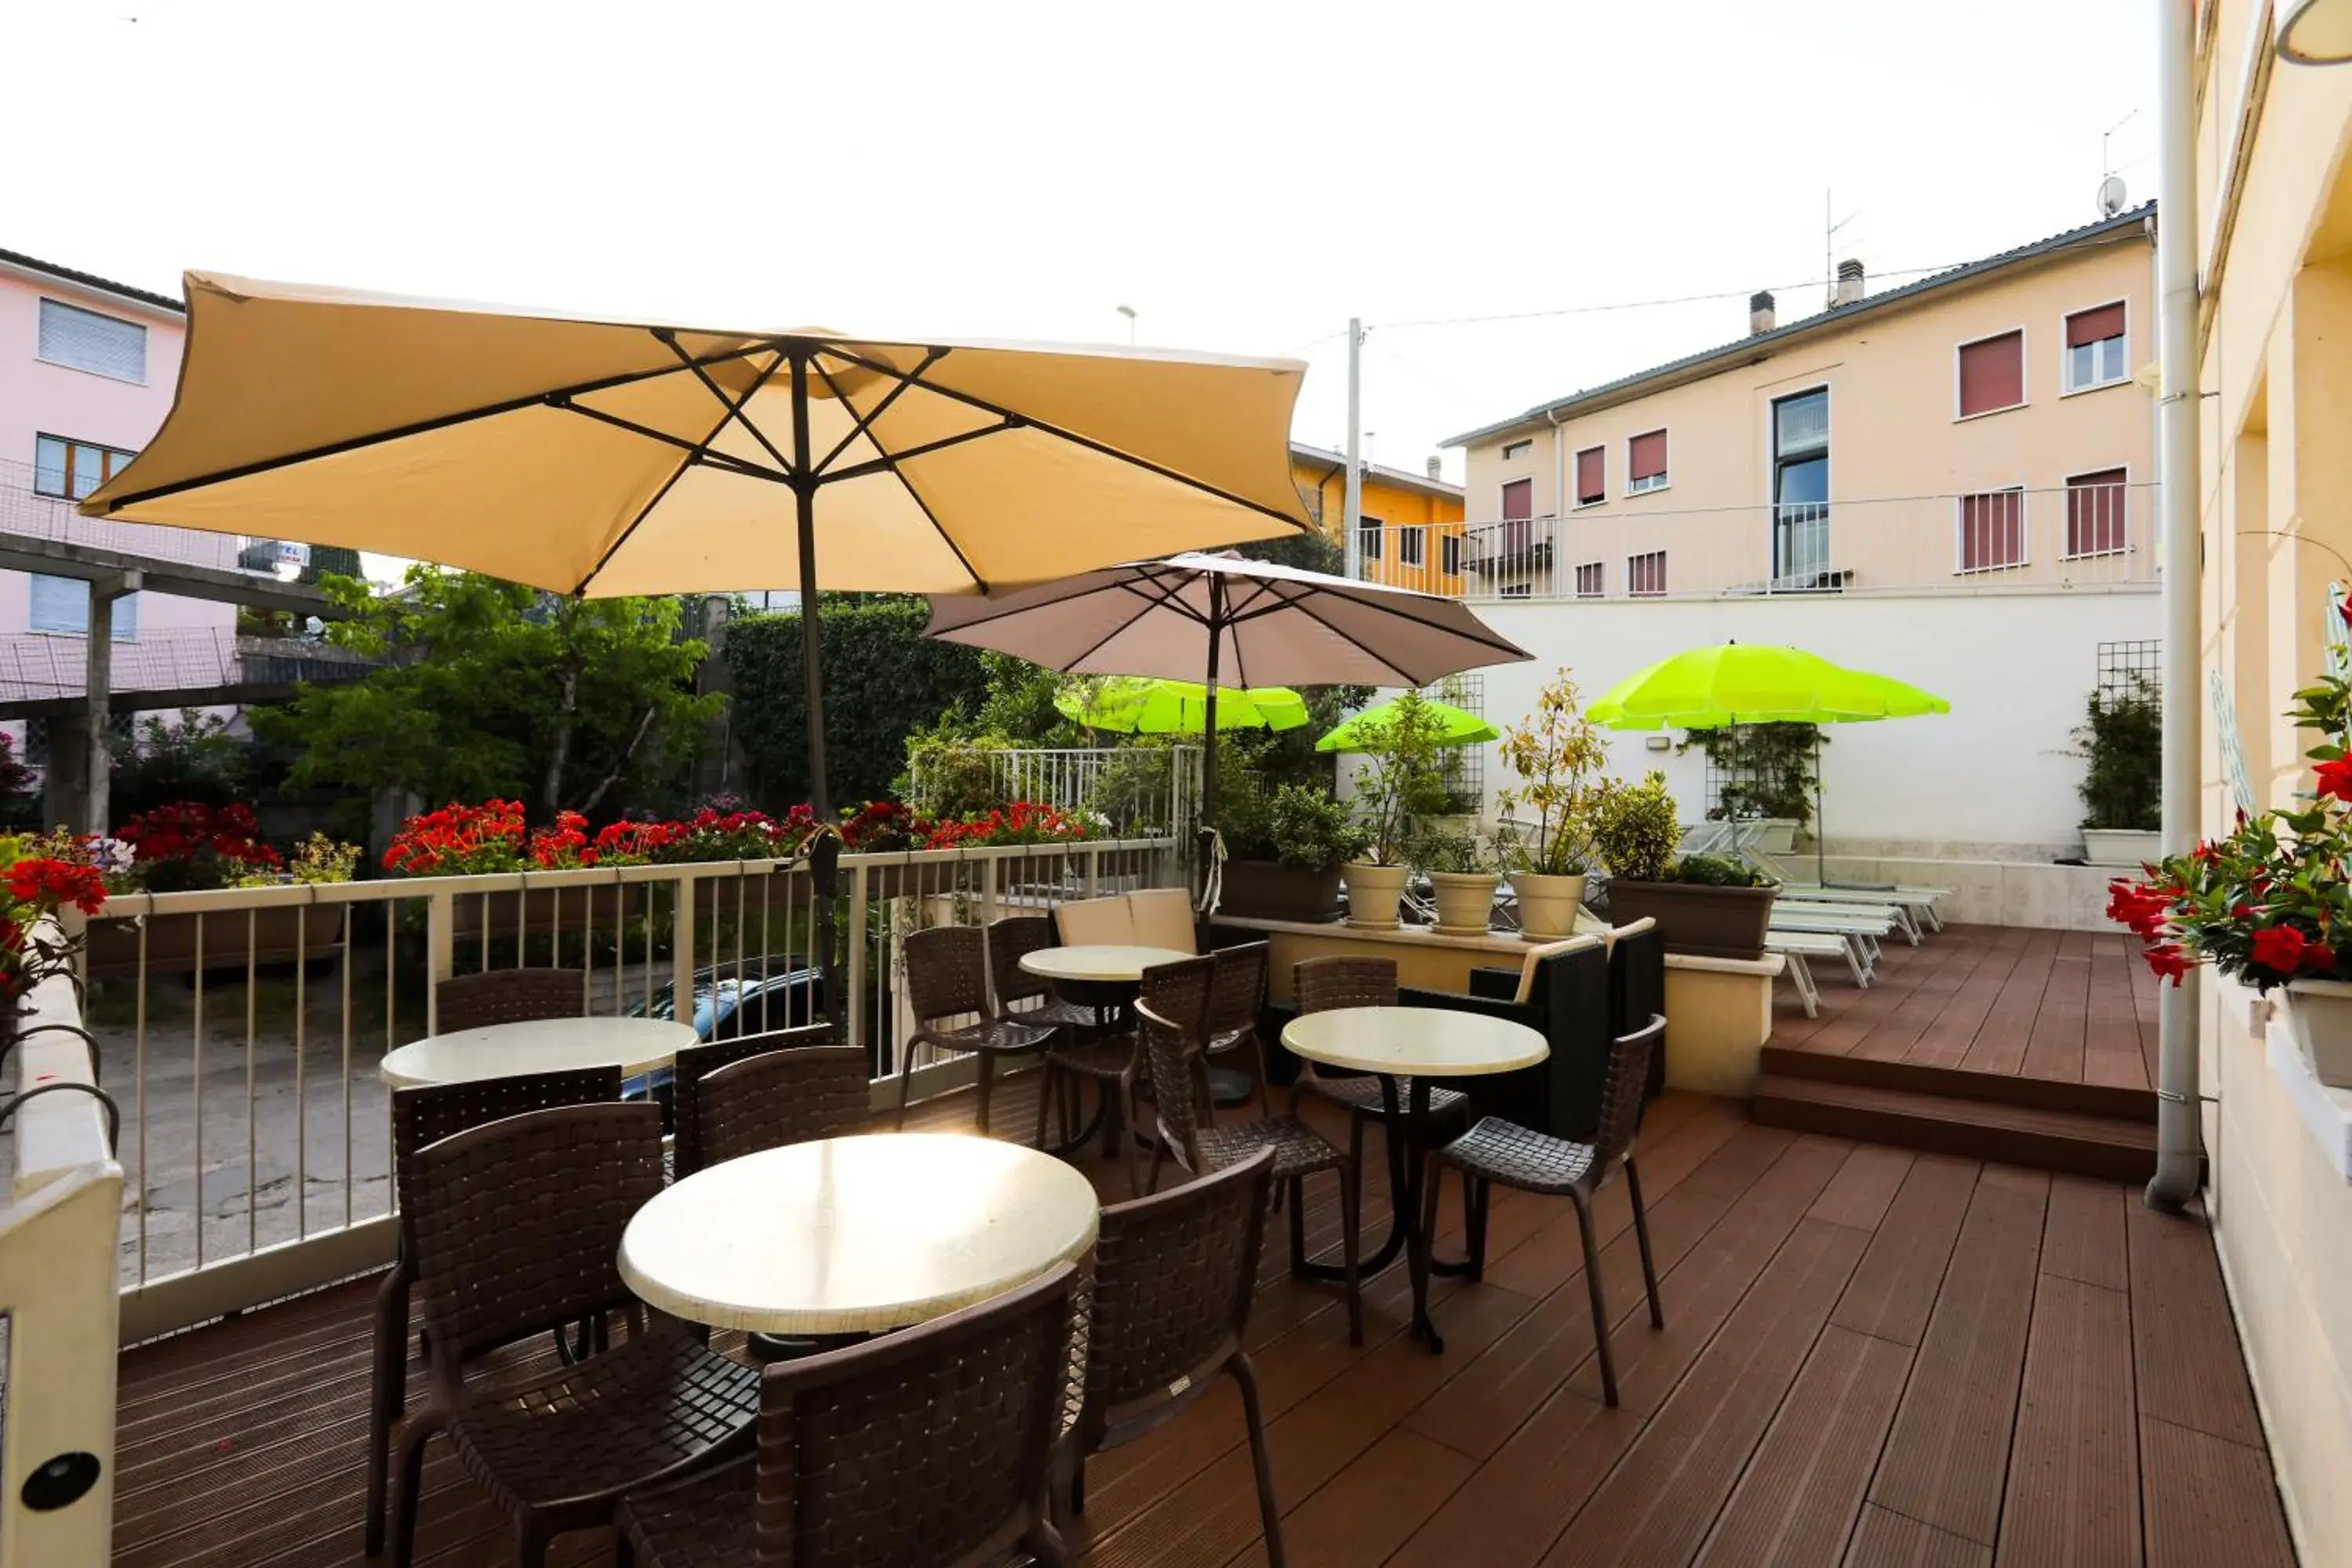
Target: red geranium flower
x,y
51,884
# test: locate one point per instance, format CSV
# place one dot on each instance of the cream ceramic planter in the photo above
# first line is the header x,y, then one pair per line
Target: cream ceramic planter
x,y
1547,905
2319,1014
1373,892
2129,847
1466,900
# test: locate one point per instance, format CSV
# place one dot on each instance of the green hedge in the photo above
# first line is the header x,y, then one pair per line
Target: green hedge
x,y
883,680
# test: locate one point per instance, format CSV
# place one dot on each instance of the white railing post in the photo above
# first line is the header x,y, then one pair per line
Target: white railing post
x,y
440,952
855,935
681,958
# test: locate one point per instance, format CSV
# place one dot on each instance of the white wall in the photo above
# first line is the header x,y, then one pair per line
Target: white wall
x,y
1990,780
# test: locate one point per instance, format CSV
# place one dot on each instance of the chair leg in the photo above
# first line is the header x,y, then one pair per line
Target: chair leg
x,y
531,1539
1043,1544
1131,1129
1476,1225
906,1084
1642,1236
1600,1307
1433,1178
1298,1225
1046,1084
1258,1066
1159,1155
404,1496
987,1084
1254,1418
1352,1212
389,1397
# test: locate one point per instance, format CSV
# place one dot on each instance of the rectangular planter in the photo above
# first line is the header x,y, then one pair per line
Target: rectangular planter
x,y
2125,847
1704,921
1265,890
280,936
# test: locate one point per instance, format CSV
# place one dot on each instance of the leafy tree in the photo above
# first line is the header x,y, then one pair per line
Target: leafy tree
x,y
191,756
494,689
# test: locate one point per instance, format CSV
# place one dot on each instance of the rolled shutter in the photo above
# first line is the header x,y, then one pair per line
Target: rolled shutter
x,y
1645,457
1992,375
2090,326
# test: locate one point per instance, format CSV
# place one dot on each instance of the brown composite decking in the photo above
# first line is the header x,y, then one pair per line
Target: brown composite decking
x,y
1871,1358
2073,1007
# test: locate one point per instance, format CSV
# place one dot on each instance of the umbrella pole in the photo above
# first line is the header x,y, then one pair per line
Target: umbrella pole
x,y
825,850
1821,826
1209,729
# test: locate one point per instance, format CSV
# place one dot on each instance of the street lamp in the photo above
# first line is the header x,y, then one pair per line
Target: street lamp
x,y
1129,311
2314,32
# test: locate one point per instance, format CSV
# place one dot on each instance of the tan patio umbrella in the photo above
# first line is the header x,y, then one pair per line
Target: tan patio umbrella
x,y
607,457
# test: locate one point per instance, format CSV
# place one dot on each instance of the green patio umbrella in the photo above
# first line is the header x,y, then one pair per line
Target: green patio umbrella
x,y
1459,727
1758,683
1141,705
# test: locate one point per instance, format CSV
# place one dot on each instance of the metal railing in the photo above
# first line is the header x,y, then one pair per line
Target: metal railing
x,y
2001,541
1135,791
43,665
241,1030
24,510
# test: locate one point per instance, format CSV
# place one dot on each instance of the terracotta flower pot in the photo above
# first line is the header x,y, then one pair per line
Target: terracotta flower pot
x,y
1267,890
1466,900
1548,904
2319,1017
1694,919
1373,892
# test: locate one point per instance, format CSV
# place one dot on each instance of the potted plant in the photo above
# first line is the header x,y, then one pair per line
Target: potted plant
x,y
1555,754
2268,904
2121,742
1461,877
1704,905
1399,782
1768,777
183,847
1284,850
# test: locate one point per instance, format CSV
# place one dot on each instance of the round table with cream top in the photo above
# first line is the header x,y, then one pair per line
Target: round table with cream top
x,y
636,1046
857,1235
1420,1044
1099,964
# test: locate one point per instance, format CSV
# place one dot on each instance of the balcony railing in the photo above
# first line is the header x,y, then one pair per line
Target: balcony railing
x,y
1138,791
41,666
240,1030
26,511
2064,538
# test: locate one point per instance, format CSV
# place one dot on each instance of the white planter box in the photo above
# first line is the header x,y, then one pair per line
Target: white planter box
x,y
2129,847
2318,1014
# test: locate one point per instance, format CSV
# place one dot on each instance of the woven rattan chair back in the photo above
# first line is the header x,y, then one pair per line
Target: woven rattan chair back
x,y
1239,991
1170,1053
1173,1276
425,1115
508,996
925,1449
518,1224
694,1065
1622,1094
1179,991
947,971
1320,984
780,1097
1010,941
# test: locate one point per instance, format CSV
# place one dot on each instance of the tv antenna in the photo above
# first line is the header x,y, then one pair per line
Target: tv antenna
x,y
2113,193
1831,224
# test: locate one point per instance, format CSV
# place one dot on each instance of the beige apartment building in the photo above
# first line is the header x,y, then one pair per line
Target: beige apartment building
x,y
1978,430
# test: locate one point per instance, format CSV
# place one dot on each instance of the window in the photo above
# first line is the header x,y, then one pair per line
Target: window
x,y
2096,519
1518,508
1449,553
62,605
1590,581
1368,538
84,340
1645,575
1645,463
2094,348
1409,546
1992,529
1800,489
71,469
1516,591
1591,476
1992,375
1515,449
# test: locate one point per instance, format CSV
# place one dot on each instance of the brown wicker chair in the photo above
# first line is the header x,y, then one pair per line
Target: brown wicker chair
x,y
1173,1055
780,1097
1233,1007
686,1152
946,977
1499,1150
1320,984
926,1448
421,1116
518,1230
1010,941
508,996
1173,1277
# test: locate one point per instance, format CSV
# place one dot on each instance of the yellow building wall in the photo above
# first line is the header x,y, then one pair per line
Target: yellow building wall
x,y
1398,508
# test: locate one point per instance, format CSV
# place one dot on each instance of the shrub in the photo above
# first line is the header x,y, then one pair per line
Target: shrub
x,y
1401,779
184,845
1554,753
1636,828
1716,871
1291,825
2122,740
1450,851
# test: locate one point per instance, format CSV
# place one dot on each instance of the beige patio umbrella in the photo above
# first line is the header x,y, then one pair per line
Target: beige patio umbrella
x,y
606,457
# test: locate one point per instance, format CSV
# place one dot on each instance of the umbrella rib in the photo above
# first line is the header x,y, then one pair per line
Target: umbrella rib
x,y
696,451
865,421
888,462
734,407
1150,605
1373,604
424,427
1090,445
905,483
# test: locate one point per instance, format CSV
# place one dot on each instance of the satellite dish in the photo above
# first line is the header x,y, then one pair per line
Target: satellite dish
x,y
2112,196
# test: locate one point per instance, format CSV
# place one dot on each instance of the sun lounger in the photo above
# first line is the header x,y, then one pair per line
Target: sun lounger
x,y
1797,948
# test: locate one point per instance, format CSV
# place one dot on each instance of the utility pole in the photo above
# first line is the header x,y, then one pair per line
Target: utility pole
x,y
1353,505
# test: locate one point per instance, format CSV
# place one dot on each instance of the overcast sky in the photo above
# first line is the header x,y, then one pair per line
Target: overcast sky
x,y
1246,177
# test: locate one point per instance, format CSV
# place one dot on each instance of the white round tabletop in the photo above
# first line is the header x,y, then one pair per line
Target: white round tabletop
x,y
636,1046
1423,1042
1098,962
856,1234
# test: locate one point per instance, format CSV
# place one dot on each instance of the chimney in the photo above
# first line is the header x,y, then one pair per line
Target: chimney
x,y
1760,315
1437,469
1849,284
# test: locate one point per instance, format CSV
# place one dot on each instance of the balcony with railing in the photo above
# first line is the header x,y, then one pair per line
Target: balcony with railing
x,y
172,666
2075,538
30,509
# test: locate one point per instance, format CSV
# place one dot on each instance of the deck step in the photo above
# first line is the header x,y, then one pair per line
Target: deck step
x,y
1960,1083
2118,1148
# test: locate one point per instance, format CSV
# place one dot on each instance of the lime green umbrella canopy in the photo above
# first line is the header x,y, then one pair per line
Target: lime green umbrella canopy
x,y
1755,683
1458,726
1135,705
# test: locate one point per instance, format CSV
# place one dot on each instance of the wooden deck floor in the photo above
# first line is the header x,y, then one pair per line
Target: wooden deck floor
x,y
1871,1358
2075,1006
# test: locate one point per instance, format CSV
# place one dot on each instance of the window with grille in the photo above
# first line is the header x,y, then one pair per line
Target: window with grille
x,y
1992,529
1592,476
1449,553
2097,520
84,340
1992,375
1368,538
1409,546
1645,463
1645,575
1590,581
2094,348
71,469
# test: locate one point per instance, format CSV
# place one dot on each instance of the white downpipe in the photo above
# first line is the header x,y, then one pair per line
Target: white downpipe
x,y
2178,1109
